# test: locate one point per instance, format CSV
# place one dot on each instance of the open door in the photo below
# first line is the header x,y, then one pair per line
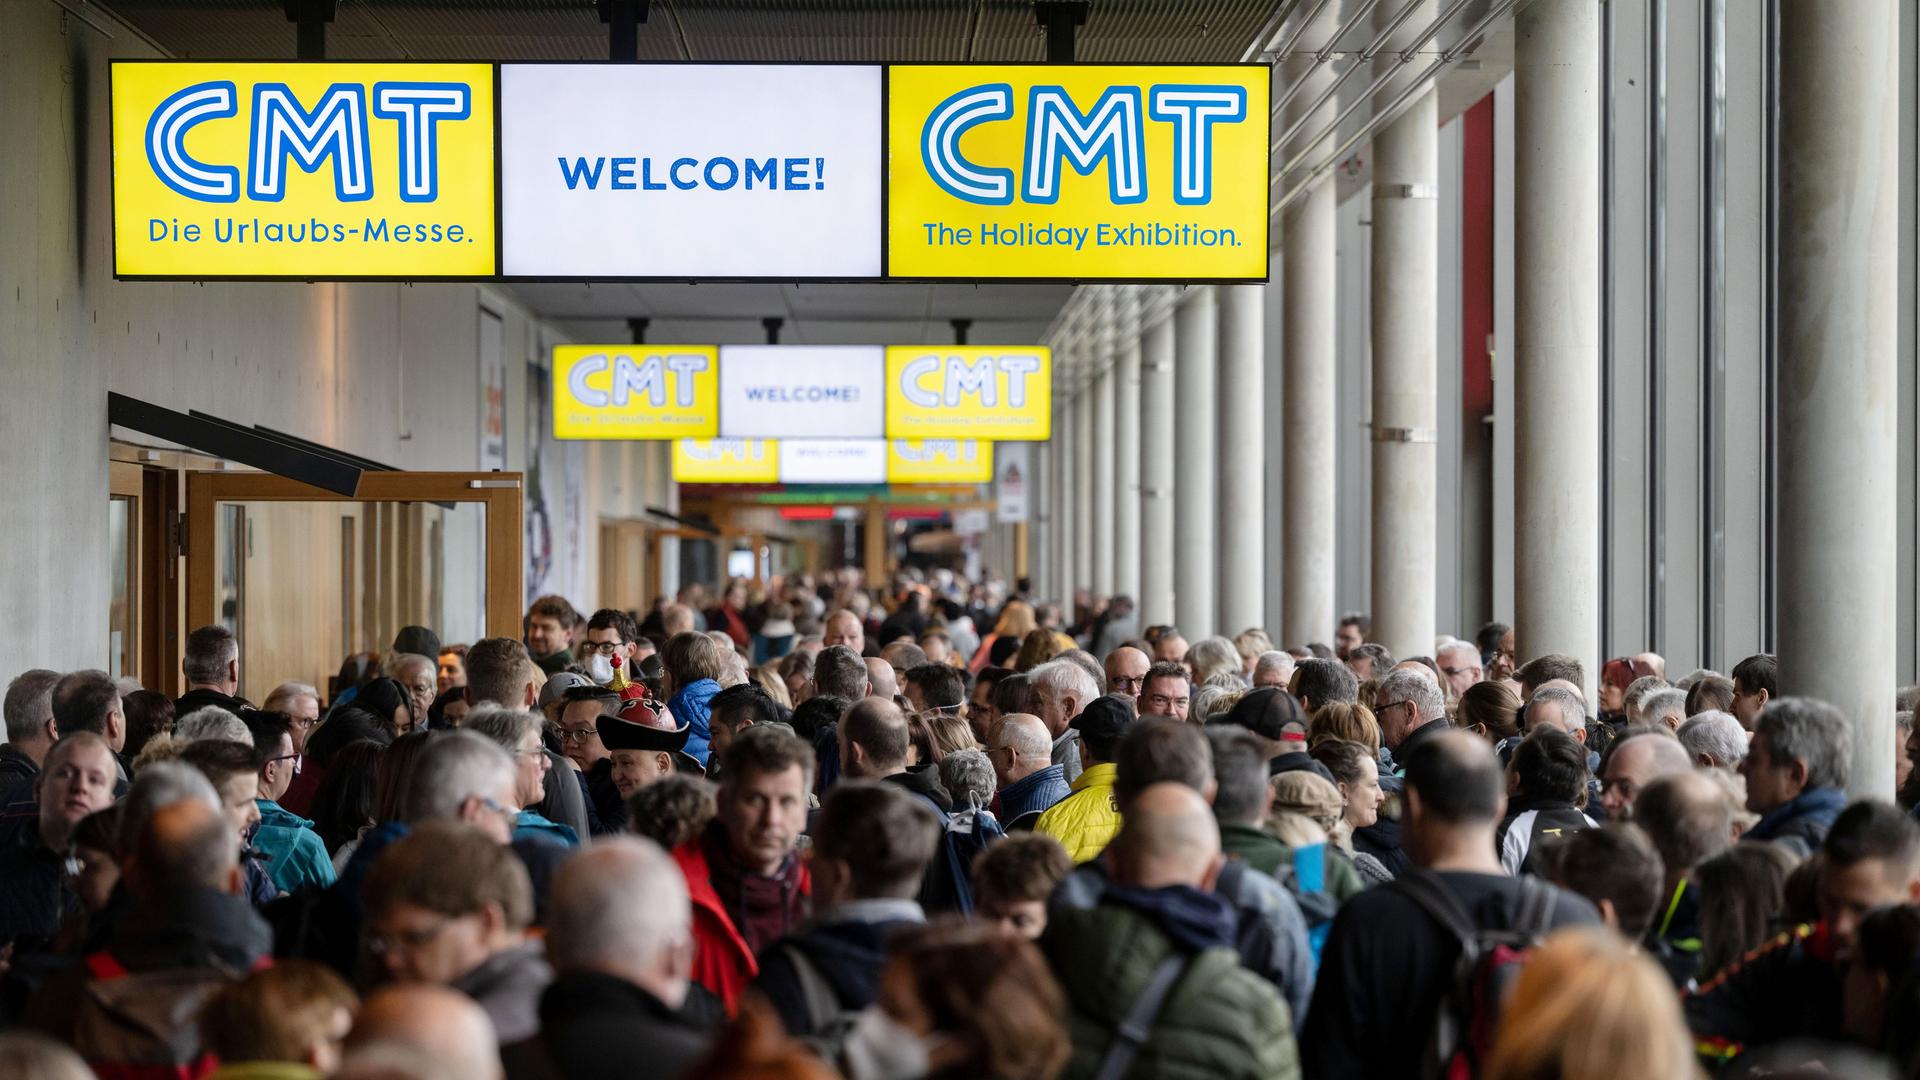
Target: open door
x,y
304,576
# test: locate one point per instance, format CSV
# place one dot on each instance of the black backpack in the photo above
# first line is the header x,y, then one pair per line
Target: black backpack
x,y
1460,1034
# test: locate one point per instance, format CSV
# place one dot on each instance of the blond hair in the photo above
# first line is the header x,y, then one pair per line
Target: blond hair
x,y
1589,1006
1347,720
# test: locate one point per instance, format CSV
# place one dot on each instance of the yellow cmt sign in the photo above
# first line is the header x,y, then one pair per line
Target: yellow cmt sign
x,y
726,461
303,170
939,461
962,392
636,391
1081,172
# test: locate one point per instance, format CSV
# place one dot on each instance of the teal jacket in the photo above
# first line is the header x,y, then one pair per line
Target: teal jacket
x,y
532,826
295,855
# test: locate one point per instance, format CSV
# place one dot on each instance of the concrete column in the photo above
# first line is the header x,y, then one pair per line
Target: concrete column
x,y
1405,289
1064,435
1307,359
1838,387
1101,518
1196,444
1243,485
1156,473
1083,449
1556,329
1126,448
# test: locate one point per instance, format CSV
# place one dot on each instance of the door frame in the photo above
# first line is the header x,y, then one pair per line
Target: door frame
x,y
500,492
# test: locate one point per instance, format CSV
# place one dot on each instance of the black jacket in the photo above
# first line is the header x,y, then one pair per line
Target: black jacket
x,y
192,928
848,955
205,696
33,894
598,1027
609,810
924,781
1789,988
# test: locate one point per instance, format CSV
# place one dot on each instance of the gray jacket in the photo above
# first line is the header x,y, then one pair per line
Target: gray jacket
x,y
508,986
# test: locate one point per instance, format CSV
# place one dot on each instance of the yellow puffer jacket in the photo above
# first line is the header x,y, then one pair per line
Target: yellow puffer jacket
x,y
1087,819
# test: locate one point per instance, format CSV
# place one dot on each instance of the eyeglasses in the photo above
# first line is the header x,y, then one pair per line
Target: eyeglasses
x,y
604,648
1379,710
1124,682
577,735
1452,671
500,808
382,944
295,758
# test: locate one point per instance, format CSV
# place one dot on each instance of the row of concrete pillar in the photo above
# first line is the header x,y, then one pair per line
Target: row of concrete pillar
x,y
1158,482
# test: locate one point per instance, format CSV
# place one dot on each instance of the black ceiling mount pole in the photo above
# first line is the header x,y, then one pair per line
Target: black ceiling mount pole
x,y
638,328
309,19
623,19
773,326
1060,18
960,328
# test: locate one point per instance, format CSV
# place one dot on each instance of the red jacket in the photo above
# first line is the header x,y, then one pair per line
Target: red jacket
x,y
722,962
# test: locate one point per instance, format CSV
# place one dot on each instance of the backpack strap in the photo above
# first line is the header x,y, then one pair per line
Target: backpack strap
x,y
1535,916
1138,1023
817,995
1426,890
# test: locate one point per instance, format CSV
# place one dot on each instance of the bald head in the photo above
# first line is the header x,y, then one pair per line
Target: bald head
x,y
881,681
442,1024
620,908
1635,762
1126,671
1169,838
185,845
1024,734
1688,817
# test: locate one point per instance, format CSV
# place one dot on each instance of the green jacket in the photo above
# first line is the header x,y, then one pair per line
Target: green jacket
x,y
1220,1022
1264,852
296,856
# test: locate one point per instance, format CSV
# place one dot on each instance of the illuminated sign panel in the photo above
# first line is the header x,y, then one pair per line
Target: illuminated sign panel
x,y
801,391
314,170
962,392
939,461
1082,171
726,461
833,461
636,391
690,170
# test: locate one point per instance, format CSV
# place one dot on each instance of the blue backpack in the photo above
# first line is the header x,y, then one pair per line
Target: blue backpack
x,y
964,834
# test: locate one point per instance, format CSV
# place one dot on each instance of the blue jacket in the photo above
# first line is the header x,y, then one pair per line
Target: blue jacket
x,y
1800,824
296,857
692,705
1033,793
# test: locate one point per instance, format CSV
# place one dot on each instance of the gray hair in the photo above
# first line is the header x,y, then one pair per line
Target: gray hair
x,y
1212,655
1274,661
287,693
622,897
1212,700
1027,739
209,650
29,704
1658,706
1413,684
1467,647
1693,678
1903,720
1717,736
968,777
1636,694
1064,677
453,768
162,783
1571,707
1810,731
504,726
212,722
409,659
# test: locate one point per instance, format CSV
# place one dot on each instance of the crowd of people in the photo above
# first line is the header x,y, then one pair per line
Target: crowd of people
x,y
937,829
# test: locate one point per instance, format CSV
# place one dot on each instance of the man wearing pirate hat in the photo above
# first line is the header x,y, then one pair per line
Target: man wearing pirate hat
x,y
643,744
